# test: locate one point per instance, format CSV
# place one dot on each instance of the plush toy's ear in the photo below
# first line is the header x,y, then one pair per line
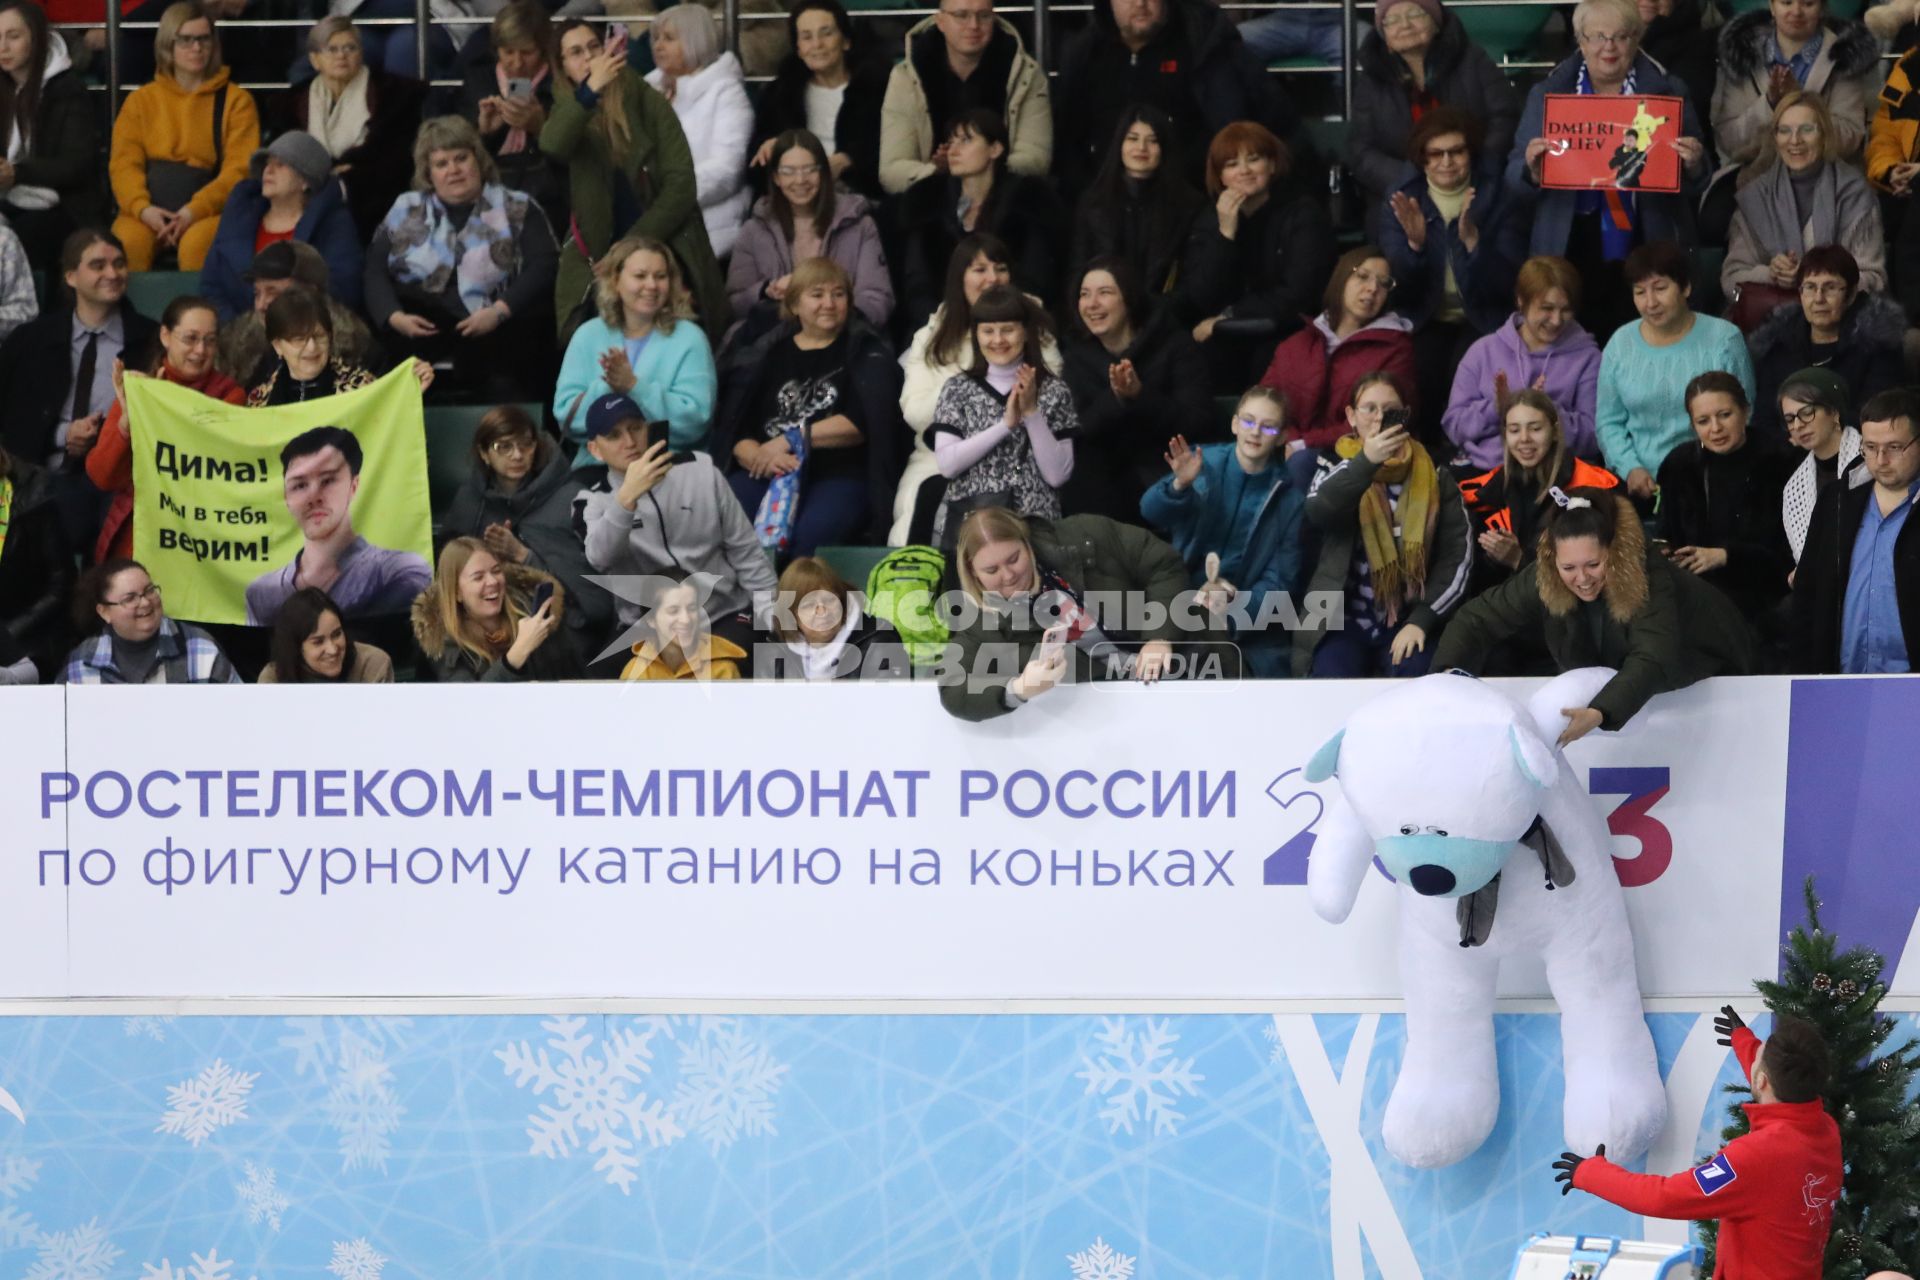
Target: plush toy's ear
x,y
1534,757
1326,760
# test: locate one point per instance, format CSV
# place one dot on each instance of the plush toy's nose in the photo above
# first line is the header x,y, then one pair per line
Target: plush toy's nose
x,y
1431,881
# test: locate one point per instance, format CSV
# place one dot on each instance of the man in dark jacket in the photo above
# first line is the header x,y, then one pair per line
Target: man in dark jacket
x,y
1856,594
56,376
1183,56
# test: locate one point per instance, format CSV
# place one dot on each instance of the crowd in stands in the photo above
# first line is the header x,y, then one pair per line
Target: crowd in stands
x,y
1090,348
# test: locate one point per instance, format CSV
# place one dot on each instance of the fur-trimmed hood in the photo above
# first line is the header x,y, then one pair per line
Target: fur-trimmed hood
x,y
431,634
1874,322
1626,591
1743,45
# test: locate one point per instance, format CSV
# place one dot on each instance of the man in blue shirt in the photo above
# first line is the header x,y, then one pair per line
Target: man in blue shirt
x,y
1856,594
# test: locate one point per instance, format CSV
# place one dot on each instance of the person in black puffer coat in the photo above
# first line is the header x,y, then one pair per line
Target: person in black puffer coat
x,y
1857,335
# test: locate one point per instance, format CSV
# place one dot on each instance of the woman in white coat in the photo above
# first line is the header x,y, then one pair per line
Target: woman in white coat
x,y
709,95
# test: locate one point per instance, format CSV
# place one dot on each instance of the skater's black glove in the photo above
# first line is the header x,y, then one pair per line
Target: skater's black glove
x,y
1726,1024
1568,1162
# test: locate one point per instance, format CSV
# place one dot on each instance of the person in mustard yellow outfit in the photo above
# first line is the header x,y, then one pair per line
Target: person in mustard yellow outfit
x,y
180,144
678,644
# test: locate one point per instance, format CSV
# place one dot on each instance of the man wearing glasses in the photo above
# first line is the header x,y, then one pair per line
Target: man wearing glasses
x,y
962,59
1856,594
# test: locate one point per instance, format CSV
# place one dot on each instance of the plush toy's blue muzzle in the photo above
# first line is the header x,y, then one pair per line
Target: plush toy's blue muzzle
x,y
1443,866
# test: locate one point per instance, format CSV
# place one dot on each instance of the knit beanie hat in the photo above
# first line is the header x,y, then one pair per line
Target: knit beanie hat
x,y
1829,389
1432,7
301,152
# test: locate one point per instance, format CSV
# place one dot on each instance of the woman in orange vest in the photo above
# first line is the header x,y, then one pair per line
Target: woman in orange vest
x,y
1509,504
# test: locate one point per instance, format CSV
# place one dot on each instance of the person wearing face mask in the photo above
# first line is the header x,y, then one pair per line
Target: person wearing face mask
x,y
823,630
1234,515
137,642
1599,596
1810,198
1354,337
311,646
1541,347
188,334
1140,204
245,354
804,215
1720,497
810,415
49,134
1813,403
827,87
1395,542
290,193
299,327
484,620
676,643
708,91
1836,326
1791,46
1135,376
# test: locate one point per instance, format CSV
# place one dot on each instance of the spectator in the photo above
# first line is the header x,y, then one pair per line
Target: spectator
x,y
49,183
1454,248
647,509
1258,257
1679,39
1234,516
1720,499
638,346
1050,601
299,328
826,87
1417,59
1002,431
311,646
709,94
1510,504
1394,541
1139,205
396,48
632,176
245,355
461,272
677,643
977,194
1353,338
1592,229
1808,199
18,301
509,100
1289,32
1135,376
1540,347
1792,46
36,576
289,193
811,417
518,500
805,215
56,376
1184,57
1892,160
1641,414
484,620
1600,597
942,350
363,116
174,160
138,643
962,59
1813,402
1835,326
189,331
824,633
1856,593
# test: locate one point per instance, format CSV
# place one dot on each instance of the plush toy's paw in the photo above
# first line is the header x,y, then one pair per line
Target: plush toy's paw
x,y
1619,1100
1439,1118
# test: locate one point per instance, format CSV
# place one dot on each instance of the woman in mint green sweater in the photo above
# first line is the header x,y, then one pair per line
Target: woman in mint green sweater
x,y
1641,404
643,345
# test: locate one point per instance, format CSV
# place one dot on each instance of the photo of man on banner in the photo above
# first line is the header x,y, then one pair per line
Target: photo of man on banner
x,y
1618,142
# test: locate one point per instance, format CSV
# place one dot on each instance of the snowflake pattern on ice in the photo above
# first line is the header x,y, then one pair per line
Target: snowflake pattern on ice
x,y
260,1195
1277,1056
726,1086
83,1253
212,1100
592,1091
322,1053
1101,1262
209,1267
356,1260
1139,1076
152,1026
362,1106
18,1230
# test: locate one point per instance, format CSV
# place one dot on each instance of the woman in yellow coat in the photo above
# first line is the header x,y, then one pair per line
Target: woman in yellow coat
x,y
180,144
677,644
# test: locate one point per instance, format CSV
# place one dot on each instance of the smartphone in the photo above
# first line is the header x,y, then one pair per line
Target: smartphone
x,y
1660,546
1054,640
1394,418
519,89
616,41
541,594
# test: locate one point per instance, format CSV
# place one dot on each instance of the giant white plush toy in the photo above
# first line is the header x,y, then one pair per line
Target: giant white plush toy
x,y
1497,851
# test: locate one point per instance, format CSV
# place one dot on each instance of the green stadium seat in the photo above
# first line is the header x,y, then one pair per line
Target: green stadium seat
x,y
1504,29
151,291
853,563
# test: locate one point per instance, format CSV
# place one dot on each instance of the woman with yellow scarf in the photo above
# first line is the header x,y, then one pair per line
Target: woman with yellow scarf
x,y
1395,545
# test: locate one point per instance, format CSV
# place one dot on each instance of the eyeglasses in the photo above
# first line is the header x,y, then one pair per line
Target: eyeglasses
x,y
512,446
133,598
195,341
1254,424
1823,288
1886,451
1400,21
1611,39
314,339
1804,416
1447,153
341,50
194,42
1789,132
969,17
797,170
1385,282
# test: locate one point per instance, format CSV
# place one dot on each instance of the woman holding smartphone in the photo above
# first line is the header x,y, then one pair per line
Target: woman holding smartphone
x,y
486,620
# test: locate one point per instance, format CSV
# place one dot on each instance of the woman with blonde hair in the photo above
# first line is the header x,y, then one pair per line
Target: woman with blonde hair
x,y
483,619
1509,504
180,144
642,345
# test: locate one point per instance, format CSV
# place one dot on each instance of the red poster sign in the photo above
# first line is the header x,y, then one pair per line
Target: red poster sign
x,y
1621,141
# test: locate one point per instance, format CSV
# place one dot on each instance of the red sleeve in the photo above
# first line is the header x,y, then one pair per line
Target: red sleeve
x,y
110,461
1746,1047
1735,1188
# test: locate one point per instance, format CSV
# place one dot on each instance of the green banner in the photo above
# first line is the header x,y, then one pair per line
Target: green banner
x,y
235,508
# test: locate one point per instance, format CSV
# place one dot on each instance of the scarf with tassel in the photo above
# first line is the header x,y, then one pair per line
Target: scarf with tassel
x,y
1398,565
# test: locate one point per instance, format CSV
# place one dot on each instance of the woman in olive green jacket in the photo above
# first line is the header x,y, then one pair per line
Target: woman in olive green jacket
x,y
631,173
1603,600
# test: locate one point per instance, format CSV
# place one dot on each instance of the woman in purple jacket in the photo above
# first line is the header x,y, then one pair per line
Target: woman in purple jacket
x,y
1541,346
